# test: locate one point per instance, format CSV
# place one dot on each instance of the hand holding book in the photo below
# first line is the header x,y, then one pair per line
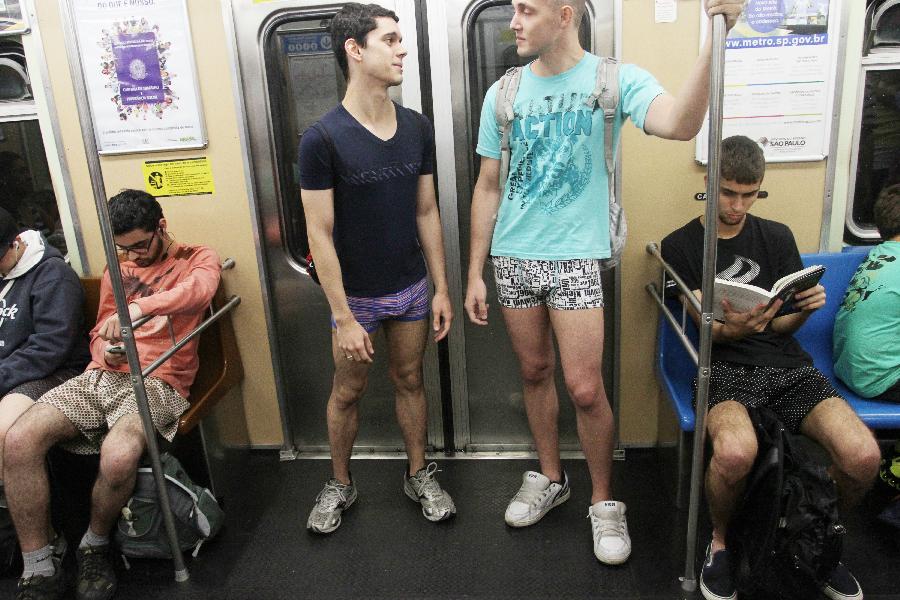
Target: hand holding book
x,y
744,297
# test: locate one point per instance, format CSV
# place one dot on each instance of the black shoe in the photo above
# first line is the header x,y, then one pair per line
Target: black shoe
x,y
96,576
42,587
842,585
716,579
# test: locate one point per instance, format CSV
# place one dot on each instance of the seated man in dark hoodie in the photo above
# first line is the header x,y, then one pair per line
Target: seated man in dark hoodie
x,y
42,337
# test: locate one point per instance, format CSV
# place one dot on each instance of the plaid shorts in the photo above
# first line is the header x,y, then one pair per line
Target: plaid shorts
x,y
791,393
96,399
37,388
560,284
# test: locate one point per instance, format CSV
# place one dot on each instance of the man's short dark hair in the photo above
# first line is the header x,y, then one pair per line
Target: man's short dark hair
x,y
742,160
887,212
134,209
354,21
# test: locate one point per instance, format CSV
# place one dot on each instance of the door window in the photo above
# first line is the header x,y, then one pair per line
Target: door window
x,y
305,82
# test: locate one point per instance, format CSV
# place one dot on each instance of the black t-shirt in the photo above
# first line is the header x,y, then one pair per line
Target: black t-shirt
x,y
761,254
375,191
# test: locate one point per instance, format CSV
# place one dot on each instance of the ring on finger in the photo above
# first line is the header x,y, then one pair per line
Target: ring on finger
x,y
349,357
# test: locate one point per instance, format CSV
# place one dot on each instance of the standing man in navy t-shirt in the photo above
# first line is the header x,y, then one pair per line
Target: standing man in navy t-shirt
x,y
372,219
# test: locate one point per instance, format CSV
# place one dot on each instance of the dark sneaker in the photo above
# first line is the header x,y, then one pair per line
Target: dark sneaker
x,y
96,576
59,546
842,585
423,488
331,502
42,587
716,579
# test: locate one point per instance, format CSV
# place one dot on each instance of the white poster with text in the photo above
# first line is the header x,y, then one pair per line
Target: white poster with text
x,y
779,78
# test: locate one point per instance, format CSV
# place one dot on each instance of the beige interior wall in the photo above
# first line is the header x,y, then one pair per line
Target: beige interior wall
x,y
660,179
221,220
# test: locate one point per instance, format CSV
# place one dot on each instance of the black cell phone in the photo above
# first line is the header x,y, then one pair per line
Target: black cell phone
x,y
115,349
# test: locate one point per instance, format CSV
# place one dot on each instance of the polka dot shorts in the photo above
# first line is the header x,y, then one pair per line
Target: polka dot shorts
x,y
97,398
792,393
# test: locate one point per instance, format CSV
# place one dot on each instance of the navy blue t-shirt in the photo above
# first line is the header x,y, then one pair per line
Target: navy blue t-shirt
x,y
375,186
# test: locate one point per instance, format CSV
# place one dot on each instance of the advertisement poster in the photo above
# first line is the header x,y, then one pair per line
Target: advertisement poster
x,y
138,64
779,78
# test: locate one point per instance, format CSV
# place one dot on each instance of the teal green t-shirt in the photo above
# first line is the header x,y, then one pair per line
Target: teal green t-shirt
x,y
867,326
555,203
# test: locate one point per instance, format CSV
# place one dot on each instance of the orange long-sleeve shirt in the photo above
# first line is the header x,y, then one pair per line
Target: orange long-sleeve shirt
x,y
181,287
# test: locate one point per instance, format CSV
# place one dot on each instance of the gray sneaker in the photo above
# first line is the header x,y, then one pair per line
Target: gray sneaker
x,y
423,488
333,500
535,499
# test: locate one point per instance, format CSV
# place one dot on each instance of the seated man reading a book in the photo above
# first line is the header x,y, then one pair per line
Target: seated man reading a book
x,y
757,362
867,325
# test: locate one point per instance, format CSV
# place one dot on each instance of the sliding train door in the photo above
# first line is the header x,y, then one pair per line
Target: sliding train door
x,y
289,78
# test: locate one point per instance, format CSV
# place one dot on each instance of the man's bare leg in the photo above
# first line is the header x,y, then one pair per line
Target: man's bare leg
x,y
343,412
12,406
120,456
734,452
579,334
530,333
854,452
25,474
406,345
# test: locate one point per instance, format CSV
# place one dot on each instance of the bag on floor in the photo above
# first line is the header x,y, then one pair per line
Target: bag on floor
x,y
786,535
141,532
9,544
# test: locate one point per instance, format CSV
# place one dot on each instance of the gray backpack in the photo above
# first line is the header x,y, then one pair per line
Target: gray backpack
x,y
606,97
198,517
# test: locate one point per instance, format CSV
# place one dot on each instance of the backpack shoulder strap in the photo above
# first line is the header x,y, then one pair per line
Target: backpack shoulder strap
x,y
606,97
329,143
504,115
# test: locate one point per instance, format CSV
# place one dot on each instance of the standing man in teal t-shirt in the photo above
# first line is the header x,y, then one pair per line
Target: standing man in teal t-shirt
x,y
867,326
548,234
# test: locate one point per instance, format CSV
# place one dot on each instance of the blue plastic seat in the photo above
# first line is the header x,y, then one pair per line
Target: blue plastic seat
x,y
676,370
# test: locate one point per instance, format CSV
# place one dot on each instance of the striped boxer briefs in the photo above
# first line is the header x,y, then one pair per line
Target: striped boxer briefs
x,y
409,304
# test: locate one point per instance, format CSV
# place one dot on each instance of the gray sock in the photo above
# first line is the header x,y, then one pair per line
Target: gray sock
x,y
92,539
39,562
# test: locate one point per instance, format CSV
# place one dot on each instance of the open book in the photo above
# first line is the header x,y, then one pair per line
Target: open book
x,y
744,297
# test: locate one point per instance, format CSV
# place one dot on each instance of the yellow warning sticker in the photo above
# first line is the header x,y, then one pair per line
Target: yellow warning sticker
x,y
183,177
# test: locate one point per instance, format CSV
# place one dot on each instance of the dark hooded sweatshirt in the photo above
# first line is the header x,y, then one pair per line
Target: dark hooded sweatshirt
x,y
41,321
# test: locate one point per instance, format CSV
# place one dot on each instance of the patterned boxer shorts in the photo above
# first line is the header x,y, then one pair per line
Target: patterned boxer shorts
x,y
96,399
37,388
560,284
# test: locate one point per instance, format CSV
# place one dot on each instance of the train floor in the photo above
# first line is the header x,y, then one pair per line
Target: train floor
x,y
385,549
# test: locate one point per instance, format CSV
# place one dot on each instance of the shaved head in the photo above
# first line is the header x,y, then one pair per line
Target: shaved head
x,y
578,8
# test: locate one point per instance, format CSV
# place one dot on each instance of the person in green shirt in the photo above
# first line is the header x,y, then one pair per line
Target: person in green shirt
x,y
867,326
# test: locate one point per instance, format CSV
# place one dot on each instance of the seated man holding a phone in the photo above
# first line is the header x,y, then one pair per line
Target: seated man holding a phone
x,y
96,411
757,362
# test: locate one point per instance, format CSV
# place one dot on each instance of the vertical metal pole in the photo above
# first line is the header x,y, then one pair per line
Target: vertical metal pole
x,y
716,88
134,364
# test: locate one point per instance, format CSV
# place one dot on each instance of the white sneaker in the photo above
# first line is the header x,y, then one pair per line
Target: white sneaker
x,y
535,499
612,545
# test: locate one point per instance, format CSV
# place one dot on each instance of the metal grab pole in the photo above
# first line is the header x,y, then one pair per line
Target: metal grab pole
x,y
137,381
716,89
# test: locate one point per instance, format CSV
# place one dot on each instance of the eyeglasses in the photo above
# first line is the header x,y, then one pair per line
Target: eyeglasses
x,y
140,247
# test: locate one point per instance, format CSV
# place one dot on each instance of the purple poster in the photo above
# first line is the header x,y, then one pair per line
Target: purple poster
x,y
137,68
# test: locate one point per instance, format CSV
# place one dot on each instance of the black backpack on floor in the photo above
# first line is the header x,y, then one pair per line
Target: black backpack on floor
x,y
786,537
9,544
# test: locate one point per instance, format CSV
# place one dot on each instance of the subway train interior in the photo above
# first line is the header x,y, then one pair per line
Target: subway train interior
x,y
240,81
